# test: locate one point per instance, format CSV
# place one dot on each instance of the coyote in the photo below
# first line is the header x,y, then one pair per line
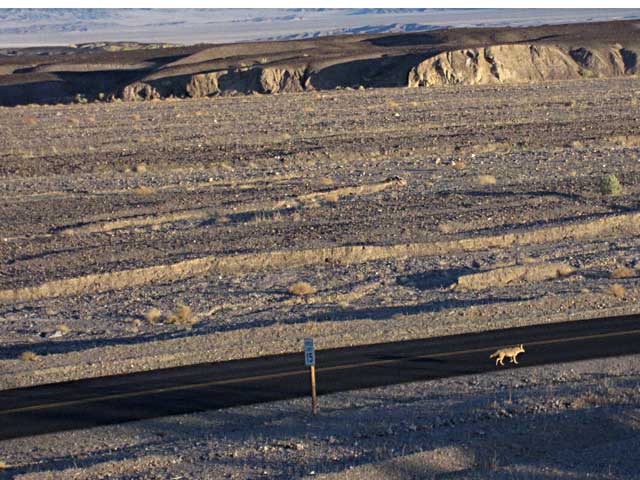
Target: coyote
x,y
509,352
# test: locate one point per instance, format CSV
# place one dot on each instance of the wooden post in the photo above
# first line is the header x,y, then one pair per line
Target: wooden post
x,y
310,361
314,398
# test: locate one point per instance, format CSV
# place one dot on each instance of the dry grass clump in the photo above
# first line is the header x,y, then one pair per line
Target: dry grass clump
x,y
586,400
153,315
302,289
627,141
486,180
326,181
622,272
63,329
141,168
31,121
617,290
29,356
182,315
459,165
3,465
610,185
332,197
144,190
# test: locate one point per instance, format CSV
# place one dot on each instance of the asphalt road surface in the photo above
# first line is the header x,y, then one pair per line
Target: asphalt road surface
x,y
121,398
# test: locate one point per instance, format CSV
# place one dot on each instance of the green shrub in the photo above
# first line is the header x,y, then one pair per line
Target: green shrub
x,y
610,185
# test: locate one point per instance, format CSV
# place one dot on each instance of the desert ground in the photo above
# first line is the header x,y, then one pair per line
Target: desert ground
x,y
150,234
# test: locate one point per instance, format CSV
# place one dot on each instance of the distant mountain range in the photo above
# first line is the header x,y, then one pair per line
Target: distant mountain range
x,y
37,27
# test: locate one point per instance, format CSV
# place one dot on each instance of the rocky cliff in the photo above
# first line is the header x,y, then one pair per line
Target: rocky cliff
x,y
520,63
422,59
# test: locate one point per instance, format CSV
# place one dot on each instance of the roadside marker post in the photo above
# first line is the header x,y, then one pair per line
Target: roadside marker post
x,y
310,361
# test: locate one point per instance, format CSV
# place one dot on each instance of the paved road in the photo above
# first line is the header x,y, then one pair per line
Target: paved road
x,y
122,398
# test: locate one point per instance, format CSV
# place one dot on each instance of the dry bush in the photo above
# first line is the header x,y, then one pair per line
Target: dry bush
x,y
622,272
447,227
3,465
610,185
459,165
486,180
63,329
142,168
144,190
74,121
586,400
301,289
332,197
153,315
29,356
617,290
626,141
327,182
393,104
31,121
182,315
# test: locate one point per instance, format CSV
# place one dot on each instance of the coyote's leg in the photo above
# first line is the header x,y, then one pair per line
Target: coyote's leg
x,y
499,361
514,359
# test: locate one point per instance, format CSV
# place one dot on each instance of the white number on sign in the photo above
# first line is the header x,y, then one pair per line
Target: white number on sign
x,y
309,352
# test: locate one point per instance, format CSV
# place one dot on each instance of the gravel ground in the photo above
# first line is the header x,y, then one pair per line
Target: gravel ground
x,y
108,188
255,191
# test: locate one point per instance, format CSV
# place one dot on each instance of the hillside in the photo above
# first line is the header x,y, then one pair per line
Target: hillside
x,y
131,71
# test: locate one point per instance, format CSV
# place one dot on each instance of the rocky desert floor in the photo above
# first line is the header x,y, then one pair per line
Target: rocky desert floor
x,y
151,234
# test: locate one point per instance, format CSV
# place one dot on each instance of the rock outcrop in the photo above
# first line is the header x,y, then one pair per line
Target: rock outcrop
x,y
521,63
440,57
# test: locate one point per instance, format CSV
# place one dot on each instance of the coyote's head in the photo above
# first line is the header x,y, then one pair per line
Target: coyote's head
x,y
521,347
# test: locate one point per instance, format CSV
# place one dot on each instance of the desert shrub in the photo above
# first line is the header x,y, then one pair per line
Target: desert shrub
x,y
63,329
610,185
153,315
182,315
617,290
326,181
143,190
142,168
486,180
459,165
301,289
29,356
623,272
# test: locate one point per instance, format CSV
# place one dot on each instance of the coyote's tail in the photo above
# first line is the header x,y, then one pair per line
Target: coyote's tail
x,y
494,355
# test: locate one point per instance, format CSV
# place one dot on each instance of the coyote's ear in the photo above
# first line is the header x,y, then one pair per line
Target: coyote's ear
x,y
522,346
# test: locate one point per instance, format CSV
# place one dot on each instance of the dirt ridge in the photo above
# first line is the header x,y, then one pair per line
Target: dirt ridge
x,y
233,264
